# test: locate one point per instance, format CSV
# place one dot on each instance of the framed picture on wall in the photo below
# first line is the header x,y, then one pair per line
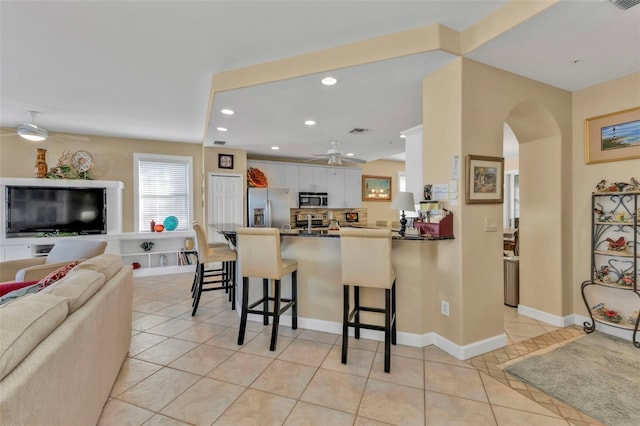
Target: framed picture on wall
x,y
376,188
225,161
612,137
485,176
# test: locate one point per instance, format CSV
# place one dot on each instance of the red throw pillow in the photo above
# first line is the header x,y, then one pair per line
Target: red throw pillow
x,y
11,286
56,275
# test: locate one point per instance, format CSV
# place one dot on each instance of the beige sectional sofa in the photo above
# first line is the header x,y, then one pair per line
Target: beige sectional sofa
x,y
62,348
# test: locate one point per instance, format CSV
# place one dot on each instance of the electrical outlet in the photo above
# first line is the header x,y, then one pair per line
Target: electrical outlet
x,y
444,308
490,224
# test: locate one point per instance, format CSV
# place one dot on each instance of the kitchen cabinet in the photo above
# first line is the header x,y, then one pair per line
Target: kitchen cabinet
x,y
353,188
276,174
292,181
15,252
313,178
344,187
615,248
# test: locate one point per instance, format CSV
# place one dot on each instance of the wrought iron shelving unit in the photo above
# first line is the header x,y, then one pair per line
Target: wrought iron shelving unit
x,y
615,248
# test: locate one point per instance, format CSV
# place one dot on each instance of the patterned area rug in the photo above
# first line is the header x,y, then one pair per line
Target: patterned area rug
x,y
597,374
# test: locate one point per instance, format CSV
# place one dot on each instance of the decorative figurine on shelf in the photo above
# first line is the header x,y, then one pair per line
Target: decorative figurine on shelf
x,y
602,274
617,245
153,225
604,186
626,280
146,245
602,215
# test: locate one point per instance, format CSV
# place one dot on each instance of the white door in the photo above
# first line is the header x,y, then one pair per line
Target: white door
x,y
225,203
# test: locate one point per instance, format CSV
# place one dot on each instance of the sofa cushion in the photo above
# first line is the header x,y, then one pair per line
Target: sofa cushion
x,y
56,275
25,323
16,294
13,285
77,288
107,264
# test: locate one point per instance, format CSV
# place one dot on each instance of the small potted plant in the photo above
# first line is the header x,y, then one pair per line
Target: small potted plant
x,y
146,245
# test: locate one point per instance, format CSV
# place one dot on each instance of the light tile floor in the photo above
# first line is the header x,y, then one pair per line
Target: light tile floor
x,y
189,370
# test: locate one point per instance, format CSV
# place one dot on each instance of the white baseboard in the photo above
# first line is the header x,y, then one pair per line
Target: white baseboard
x,y
554,320
407,339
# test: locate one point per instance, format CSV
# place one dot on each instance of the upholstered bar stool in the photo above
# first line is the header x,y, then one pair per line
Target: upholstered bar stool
x,y
366,262
196,276
212,278
260,257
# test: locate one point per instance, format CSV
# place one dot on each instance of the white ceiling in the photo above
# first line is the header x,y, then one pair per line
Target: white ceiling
x,y
143,69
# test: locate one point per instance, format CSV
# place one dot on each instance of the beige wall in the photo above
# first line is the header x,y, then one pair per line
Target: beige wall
x,y
381,210
466,104
612,96
113,160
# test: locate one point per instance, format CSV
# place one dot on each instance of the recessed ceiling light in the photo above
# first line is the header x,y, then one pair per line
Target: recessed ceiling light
x,y
329,81
310,123
227,111
350,154
403,136
275,148
222,129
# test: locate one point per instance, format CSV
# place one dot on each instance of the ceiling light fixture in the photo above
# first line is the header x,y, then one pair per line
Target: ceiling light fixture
x,y
221,129
329,81
227,111
30,131
275,148
310,123
403,136
350,154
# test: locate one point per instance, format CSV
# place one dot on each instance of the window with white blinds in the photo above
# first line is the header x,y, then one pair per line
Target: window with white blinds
x,y
163,188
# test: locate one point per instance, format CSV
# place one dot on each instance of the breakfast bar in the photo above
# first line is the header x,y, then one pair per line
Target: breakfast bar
x,y
320,288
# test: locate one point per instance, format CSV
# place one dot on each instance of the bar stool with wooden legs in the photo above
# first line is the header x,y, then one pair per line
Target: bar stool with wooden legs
x,y
212,278
260,257
366,262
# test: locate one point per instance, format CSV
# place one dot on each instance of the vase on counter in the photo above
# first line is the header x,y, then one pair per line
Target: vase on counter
x,y
41,163
153,225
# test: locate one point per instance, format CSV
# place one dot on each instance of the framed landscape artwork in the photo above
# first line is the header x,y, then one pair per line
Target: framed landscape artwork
x,y
612,137
484,179
376,188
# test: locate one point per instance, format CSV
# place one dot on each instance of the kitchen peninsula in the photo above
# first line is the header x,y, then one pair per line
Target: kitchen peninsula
x,y
320,286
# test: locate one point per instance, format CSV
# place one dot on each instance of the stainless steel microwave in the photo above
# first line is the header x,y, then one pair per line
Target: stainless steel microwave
x,y
313,199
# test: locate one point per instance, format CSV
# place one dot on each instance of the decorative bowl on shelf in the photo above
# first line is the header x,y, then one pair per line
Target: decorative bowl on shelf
x,y
170,223
159,228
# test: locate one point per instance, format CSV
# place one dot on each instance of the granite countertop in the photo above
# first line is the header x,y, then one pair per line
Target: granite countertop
x,y
230,229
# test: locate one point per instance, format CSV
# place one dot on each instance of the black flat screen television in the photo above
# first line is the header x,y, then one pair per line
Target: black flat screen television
x,y
33,210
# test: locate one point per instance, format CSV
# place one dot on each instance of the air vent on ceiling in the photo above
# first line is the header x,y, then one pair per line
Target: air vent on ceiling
x,y
219,142
624,4
358,131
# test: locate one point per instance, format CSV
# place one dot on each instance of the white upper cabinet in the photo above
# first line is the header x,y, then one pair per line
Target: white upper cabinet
x,y
276,175
353,188
343,185
336,186
313,178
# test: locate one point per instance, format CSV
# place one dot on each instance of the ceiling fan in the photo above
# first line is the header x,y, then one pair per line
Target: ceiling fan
x,y
31,131
34,133
335,157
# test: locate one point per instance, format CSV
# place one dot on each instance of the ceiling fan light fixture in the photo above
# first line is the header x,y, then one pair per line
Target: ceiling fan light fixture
x,y
32,133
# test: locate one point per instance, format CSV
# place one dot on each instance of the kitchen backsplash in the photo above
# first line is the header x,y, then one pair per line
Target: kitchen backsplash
x,y
355,217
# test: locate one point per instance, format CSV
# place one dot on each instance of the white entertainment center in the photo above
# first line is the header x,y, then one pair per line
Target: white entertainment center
x,y
164,258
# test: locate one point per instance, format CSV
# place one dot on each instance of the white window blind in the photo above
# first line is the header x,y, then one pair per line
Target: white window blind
x,y
163,189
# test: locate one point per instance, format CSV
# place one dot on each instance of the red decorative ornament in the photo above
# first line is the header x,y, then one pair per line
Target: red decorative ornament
x,y
159,228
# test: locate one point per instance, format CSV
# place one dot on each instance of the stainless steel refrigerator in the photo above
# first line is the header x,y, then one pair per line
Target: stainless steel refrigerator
x,y
268,207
